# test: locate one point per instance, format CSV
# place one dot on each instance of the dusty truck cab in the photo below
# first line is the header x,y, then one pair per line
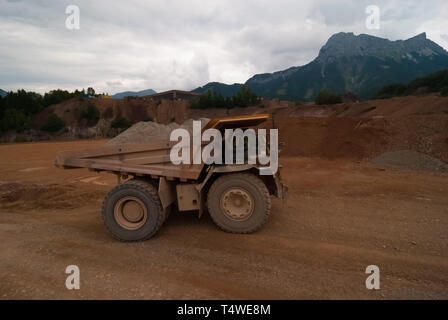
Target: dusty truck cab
x,y
236,196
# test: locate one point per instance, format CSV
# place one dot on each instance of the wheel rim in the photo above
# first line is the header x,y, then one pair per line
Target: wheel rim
x,y
237,204
130,213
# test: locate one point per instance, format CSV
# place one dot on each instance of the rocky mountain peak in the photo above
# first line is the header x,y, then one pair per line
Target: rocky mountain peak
x,y
347,44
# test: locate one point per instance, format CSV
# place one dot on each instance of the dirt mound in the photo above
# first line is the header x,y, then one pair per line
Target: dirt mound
x,y
359,138
150,131
357,130
330,137
52,196
410,160
424,105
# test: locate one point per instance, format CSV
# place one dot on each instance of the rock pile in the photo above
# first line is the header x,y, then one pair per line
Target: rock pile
x,y
410,160
151,131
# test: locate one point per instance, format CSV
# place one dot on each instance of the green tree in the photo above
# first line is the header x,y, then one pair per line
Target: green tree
x,y
89,112
17,108
90,91
434,82
58,96
13,119
243,98
121,123
327,97
29,103
391,90
444,92
53,124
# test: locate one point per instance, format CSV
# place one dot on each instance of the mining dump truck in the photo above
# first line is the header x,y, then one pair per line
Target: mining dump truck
x,y
236,196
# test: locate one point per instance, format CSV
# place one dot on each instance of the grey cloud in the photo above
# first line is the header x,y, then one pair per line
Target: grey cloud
x,y
165,44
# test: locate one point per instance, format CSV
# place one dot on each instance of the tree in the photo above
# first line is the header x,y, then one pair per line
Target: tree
x,y
444,92
17,108
327,97
53,124
433,82
29,103
58,96
121,123
89,112
90,91
212,99
13,119
391,90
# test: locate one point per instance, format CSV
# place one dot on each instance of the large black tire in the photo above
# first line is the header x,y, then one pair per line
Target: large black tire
x,y
151,184
142,198
239,203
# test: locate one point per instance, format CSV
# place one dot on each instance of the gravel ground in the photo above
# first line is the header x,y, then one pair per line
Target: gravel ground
x,y
340,217
410,160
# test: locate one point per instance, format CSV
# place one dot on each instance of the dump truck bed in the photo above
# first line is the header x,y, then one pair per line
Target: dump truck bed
x,y
150,158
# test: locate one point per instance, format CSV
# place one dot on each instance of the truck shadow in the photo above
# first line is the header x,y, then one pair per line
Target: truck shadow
x,y
186,219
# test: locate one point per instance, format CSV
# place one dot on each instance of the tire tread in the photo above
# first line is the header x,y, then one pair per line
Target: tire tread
x,y
253,180
144,186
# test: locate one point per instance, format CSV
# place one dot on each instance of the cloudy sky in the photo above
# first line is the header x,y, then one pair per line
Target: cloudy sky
x,y
183,44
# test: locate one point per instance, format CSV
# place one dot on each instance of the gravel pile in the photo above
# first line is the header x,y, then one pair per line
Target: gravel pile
x,y
150,131
410,160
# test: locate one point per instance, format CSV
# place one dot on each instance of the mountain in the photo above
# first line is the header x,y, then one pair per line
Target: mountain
x,y
125,94
2,93
227,90
348,63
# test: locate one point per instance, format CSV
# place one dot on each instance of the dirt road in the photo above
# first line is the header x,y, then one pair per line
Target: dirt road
x,y
341,216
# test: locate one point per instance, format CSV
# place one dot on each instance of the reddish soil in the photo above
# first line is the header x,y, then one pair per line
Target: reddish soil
x,y
350,130
341,216
365,138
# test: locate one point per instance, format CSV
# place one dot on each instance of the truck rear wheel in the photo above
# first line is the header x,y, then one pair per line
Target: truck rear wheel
x,y
132,211
239,203
153,186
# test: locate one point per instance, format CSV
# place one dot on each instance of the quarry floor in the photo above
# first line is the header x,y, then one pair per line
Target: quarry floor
x,y
340,217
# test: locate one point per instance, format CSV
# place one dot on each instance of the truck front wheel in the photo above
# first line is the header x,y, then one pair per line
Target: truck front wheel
x,y
239,202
